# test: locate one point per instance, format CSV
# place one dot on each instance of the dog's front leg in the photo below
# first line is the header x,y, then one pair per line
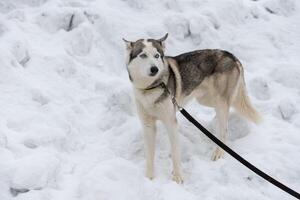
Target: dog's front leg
x,y
149,135
172,128
149,129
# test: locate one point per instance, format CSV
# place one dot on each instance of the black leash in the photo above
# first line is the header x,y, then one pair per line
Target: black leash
x,y
237,156
231,152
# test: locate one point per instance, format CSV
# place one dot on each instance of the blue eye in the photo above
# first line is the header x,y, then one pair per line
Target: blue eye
x,y
156,55
143,55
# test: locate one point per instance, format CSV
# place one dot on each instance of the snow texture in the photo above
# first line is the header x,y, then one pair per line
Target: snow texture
x,y
69,128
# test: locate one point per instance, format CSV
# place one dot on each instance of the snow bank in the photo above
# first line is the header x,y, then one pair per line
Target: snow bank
x,y
68,126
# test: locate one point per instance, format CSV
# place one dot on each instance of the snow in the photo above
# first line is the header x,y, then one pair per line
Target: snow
x,y
68,126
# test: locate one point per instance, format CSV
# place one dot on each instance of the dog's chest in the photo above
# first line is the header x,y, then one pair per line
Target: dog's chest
x,y
149,101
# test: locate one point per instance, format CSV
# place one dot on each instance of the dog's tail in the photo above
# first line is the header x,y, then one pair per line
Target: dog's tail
x,y
243,105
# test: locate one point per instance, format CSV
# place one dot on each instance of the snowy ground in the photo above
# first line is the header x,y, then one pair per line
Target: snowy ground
x,y
68,126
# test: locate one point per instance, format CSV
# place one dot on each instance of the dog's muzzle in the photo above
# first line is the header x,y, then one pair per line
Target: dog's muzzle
x,y
153,71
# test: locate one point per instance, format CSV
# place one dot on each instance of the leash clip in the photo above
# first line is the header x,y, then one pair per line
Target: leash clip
x,y
172,96
175,103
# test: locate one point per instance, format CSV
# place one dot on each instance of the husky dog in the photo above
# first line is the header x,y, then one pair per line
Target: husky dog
x,y
214,77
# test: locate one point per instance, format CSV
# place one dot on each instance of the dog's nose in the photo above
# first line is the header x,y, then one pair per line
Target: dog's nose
x,y
153,70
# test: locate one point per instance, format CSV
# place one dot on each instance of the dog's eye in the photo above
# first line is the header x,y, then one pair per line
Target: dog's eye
x,y
156,55
143,55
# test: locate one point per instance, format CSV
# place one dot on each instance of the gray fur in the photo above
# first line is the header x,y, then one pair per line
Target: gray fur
x,y
197,65
158,45
137,48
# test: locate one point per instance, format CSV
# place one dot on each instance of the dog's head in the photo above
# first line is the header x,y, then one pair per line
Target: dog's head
x,y
145,61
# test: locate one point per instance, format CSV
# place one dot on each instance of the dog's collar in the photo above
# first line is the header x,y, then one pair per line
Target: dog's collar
x,y
155,84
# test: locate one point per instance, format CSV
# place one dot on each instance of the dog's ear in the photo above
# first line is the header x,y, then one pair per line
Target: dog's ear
x,y
162,40
128,44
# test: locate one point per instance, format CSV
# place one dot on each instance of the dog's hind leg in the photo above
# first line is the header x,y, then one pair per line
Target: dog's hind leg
x,y
222,113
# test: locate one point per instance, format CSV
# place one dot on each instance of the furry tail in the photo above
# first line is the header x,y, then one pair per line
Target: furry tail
x,y
243,105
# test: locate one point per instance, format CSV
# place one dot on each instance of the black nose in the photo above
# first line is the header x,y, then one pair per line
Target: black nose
x,y
153,70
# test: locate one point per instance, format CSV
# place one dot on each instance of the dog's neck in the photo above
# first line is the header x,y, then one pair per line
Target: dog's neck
x,y
156,84
166,83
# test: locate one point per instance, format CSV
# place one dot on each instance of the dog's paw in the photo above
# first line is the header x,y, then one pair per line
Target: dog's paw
x,y
177,178
218,153
150,175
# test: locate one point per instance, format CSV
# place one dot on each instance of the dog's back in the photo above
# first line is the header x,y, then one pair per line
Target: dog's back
x,y
195,66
